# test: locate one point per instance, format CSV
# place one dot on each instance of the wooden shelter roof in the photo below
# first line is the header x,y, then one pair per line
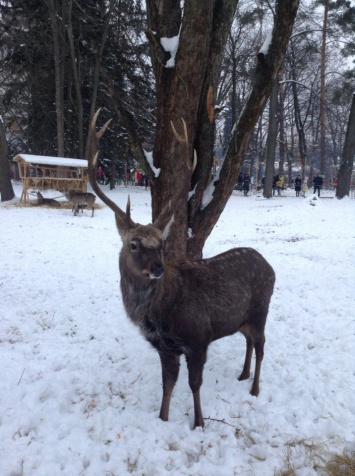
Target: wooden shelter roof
x,y
45,160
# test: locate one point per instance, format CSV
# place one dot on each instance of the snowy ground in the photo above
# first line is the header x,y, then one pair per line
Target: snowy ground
x,y
80,389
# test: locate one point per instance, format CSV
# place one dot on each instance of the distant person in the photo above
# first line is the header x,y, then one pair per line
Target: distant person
x,y
279,184
100,175
240,181
335,183
108,178
246,184
146,182
317,184
274,180
298,184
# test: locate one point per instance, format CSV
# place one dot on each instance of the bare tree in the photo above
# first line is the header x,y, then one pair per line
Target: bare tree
x,y
6,190
346,167
271,142
58,34
187,50
322,91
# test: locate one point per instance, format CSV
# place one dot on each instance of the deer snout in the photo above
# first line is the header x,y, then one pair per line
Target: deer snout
x,y
157,270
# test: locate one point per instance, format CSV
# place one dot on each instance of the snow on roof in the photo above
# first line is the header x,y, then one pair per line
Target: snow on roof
x,y
44,160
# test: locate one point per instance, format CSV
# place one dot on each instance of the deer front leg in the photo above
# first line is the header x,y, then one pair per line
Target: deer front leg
x,y
170,365
195,363
259,352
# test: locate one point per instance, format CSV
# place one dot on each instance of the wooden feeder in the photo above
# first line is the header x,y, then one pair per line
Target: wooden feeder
x,y
51,173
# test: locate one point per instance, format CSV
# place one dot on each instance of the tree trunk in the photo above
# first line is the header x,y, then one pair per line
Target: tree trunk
x,y
271,142
302,143
58,42
98,51
6,190
186,94
322,92
281,120
346,167
77,80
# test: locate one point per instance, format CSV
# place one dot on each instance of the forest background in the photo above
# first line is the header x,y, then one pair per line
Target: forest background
x,y
61,60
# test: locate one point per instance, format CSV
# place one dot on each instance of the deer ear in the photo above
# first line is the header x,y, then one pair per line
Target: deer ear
x,y
165,227
122,225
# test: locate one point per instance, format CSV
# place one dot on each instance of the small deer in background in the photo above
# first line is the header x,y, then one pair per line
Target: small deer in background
x,y
182,306
79,199
46,201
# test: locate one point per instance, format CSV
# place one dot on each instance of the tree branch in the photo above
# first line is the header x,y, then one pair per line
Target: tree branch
x,y
266,71
129,124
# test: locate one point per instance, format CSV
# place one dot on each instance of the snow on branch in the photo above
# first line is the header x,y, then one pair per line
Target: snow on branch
x,y
150,160
171,45
208,193
265,48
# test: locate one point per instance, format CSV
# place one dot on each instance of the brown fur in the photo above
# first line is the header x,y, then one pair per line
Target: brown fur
x,y
183,306
46,201
79,199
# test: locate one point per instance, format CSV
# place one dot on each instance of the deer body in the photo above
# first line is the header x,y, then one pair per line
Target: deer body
x,y
79,199
47,201
182,306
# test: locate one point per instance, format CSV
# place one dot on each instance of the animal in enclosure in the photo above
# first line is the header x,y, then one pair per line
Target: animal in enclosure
x,y
41,200
182,306
80,207
81,199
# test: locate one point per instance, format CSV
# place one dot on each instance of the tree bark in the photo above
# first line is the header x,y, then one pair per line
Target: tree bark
x,y
281,120
271,142
266,71
6,190
98,51
302,143
346,167
58,45
322,92
186,95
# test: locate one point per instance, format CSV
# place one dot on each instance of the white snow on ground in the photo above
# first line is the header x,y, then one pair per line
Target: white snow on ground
x,y
80,388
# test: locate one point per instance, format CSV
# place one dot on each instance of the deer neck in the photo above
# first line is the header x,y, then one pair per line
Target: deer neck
x,y
140,295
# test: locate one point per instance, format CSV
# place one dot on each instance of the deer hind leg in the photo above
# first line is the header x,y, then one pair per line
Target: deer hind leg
x,y
254,341
170,365
247,362
195,363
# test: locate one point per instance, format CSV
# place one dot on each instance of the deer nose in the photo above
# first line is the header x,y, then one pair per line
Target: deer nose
x,y
157,269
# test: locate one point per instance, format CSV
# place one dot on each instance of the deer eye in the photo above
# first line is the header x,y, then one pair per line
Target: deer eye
x,y
133,246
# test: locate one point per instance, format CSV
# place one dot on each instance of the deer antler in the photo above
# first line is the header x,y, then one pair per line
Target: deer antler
x,y
194,163
185,140
123,219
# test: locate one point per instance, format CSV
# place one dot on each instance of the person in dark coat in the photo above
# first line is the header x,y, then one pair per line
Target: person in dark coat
x,y
240,181
246,184
298,183
108,178
274,180
317,184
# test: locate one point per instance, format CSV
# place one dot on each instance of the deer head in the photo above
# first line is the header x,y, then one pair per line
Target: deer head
x,y
151,236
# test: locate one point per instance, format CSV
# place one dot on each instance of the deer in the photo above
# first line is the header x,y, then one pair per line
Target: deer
x,y
181,306
79,199
46,201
